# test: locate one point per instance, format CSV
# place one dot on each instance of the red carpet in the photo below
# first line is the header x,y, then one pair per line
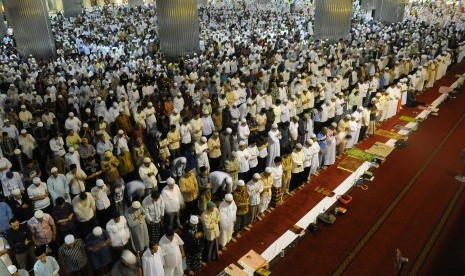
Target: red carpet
x,y
323,253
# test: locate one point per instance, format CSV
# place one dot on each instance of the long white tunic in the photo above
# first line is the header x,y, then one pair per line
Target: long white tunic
x,y
273,146
152,263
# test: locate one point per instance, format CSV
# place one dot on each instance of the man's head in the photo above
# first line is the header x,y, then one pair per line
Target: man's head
x,y
14,223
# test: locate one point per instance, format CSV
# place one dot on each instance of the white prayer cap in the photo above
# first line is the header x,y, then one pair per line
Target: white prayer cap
x,y
242,143
256,176
268,170
229,180
38,214
170,181
298,146
54,169
110,92
360,108
136,205
334,124
17,151
12,85
229,130
60,96
128,257
378,94
228,197
12,269
99,98
205,112
240,183
150,104
69,239
99,182
6,121
194,219
36,180
243,120
87,110
274,126
16,192
40,124
97,231
23,106
347,116
85,125
147,160
179,94
23,131
121,132
203,139
71,149
71,114
183,160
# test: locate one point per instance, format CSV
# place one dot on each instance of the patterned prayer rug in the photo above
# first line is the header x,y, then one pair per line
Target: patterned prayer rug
x,y
380,149
350,164
388,134
361,154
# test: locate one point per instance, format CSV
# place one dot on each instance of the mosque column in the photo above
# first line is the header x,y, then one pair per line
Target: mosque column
x,y
72,8
178,26
31,27
135,3
332,19
389,11
3,29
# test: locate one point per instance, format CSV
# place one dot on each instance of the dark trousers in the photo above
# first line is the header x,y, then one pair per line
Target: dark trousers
x,y
215,164
363,131
296,180
192,208
261,164
240,223
244,176
172,220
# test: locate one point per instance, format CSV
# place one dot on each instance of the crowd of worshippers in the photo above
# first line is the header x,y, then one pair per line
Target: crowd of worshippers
x,y
108,158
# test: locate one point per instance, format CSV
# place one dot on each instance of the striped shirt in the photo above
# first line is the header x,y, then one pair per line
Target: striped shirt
x,y
74,257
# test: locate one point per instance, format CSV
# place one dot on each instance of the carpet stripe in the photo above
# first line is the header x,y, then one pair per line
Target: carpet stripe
x,y
372,231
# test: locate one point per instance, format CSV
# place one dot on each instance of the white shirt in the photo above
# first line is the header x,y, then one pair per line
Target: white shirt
x,y
102,201
254,189
34,192
277,176
172,198
155,209
149,181
171,251
227,214
118,232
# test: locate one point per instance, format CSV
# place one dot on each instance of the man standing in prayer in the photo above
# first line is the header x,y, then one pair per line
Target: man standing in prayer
x,y
119,233
148,174
228,210
190,191
210,222
57,186
173,251
73,255
152,260
135,217
193,238
273,144
155,207
45,265
99,245
265,196
174,201
254,188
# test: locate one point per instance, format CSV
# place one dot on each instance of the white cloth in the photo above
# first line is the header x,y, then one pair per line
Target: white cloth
x,y
227,219
152,263
118,231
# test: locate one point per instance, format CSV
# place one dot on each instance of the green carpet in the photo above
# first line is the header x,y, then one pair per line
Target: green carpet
x,y
408,119
361,154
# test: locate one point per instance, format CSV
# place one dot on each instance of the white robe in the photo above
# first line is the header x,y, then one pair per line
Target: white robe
x,y
330,156
27,144
152,263
273,146
227,220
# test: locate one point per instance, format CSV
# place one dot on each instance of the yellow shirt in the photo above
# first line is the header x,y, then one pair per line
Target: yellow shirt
x,y
173,139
